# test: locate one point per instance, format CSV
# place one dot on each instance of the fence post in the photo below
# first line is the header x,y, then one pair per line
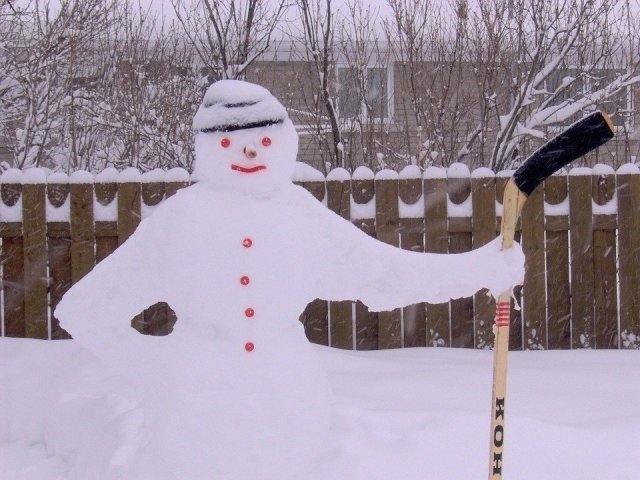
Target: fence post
x,y
604,258
338,201
82,225
34,225
436,241
12,254
412,238
386,185
363,194
129,203
129,216
557,249
59,246
483,201
534,328
459,191
581,242
628,190
106,212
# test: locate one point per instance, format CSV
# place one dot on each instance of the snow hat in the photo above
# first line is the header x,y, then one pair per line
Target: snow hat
x,y
230,105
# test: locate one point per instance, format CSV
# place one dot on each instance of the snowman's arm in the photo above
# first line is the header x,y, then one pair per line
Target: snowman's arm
x,y
118,288
358,267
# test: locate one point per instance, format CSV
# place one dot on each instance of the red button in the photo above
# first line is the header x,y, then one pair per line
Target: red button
x,y
249,312
247,242
249,346
244,280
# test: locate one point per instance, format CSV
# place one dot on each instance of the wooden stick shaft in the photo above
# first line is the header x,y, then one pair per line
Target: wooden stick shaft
x,y
499,392
512,203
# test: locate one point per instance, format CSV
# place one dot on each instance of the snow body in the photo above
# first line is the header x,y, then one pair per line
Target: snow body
x,y
238,256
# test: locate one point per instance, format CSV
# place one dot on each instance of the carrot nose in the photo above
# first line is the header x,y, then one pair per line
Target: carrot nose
x,y
250,151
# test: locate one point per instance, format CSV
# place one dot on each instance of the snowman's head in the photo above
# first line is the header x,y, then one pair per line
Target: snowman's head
x,y
244,139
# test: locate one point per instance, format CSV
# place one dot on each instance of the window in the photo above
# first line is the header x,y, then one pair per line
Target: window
x,y
363,94
349,105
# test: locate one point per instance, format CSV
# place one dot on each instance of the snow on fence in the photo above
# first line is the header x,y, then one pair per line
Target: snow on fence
x,y
580,235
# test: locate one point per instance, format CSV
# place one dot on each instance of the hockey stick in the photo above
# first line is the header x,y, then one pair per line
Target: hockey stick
x,y
580,138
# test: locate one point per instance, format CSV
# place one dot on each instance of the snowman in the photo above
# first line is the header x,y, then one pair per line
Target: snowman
x,y
236,390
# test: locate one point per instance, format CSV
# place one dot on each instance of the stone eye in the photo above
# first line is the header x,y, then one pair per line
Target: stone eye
x,y
225,142
266,141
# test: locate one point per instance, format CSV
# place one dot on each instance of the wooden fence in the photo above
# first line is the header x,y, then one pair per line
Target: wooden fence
x,y
580,233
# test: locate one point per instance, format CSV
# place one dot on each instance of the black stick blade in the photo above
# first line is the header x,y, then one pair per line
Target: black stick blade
x,y
577,140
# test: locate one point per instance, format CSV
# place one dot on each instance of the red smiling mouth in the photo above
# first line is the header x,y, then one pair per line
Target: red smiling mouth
x,y
241,169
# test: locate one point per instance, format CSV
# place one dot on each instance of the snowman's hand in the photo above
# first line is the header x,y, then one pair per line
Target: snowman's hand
x,y
386,277
500,268
427,277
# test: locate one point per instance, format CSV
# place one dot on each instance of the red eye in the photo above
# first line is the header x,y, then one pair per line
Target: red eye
x,y
266,141
225,142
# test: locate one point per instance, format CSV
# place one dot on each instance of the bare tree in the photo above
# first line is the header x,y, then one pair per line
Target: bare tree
x,y
318,37
8,9
92,83
148,93
123,96
363,85
229,35
39,61
556,59
484,81
429,43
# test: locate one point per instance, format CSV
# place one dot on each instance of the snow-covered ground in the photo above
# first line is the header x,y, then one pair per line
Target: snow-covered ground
x,y
402,414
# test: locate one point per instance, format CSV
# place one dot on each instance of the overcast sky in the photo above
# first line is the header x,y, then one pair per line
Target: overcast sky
x,y
166,7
